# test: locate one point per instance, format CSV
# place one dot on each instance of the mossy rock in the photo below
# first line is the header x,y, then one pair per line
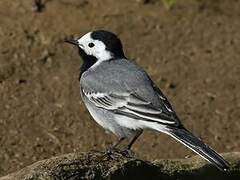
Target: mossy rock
x,y
96,165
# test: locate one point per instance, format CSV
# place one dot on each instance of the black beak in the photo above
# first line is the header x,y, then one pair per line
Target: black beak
x,y
71,41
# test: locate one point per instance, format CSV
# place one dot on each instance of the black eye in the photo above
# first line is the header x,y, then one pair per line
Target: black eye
x,y
90,45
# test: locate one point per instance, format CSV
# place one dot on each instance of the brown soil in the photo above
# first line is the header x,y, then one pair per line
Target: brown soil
x,y
191,51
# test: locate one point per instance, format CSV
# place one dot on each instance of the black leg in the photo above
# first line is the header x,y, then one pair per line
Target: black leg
x,y
118,142
134,139
114,146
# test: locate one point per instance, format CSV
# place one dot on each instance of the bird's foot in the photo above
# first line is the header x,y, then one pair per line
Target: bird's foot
x,y
111,152
114,153
108,150
127,153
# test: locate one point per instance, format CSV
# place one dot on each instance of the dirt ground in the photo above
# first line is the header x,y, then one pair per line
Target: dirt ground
x,y
191,51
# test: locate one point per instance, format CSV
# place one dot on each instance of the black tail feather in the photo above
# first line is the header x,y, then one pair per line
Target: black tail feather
x,y
198,146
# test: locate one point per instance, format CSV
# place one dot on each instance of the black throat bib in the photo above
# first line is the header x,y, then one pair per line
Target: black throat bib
x,y
88,61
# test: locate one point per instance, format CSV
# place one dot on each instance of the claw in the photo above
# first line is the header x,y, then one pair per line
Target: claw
x,y
109,152
127,153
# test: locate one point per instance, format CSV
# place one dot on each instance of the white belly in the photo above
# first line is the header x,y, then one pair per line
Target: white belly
x,y
115,123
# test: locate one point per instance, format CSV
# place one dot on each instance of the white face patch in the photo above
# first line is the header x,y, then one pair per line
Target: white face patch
x,y
94,47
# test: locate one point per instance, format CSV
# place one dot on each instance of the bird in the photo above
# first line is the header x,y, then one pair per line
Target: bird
x,y
122,98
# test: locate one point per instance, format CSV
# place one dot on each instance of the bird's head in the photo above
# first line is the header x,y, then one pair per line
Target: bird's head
x,y
102,45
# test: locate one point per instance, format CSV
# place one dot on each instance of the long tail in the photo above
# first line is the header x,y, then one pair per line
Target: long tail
x,y
198,146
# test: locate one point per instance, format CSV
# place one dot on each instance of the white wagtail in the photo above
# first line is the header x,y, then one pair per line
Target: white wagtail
x,y
122,98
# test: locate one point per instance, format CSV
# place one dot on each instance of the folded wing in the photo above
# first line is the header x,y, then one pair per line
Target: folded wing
x,y
131,105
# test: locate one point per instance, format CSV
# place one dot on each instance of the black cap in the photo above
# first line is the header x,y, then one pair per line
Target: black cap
x,y
111,41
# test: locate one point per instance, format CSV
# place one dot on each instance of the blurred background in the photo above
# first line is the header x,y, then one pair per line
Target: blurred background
x,y
190,48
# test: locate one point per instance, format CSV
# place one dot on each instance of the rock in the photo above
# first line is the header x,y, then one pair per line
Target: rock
x,y
96,165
